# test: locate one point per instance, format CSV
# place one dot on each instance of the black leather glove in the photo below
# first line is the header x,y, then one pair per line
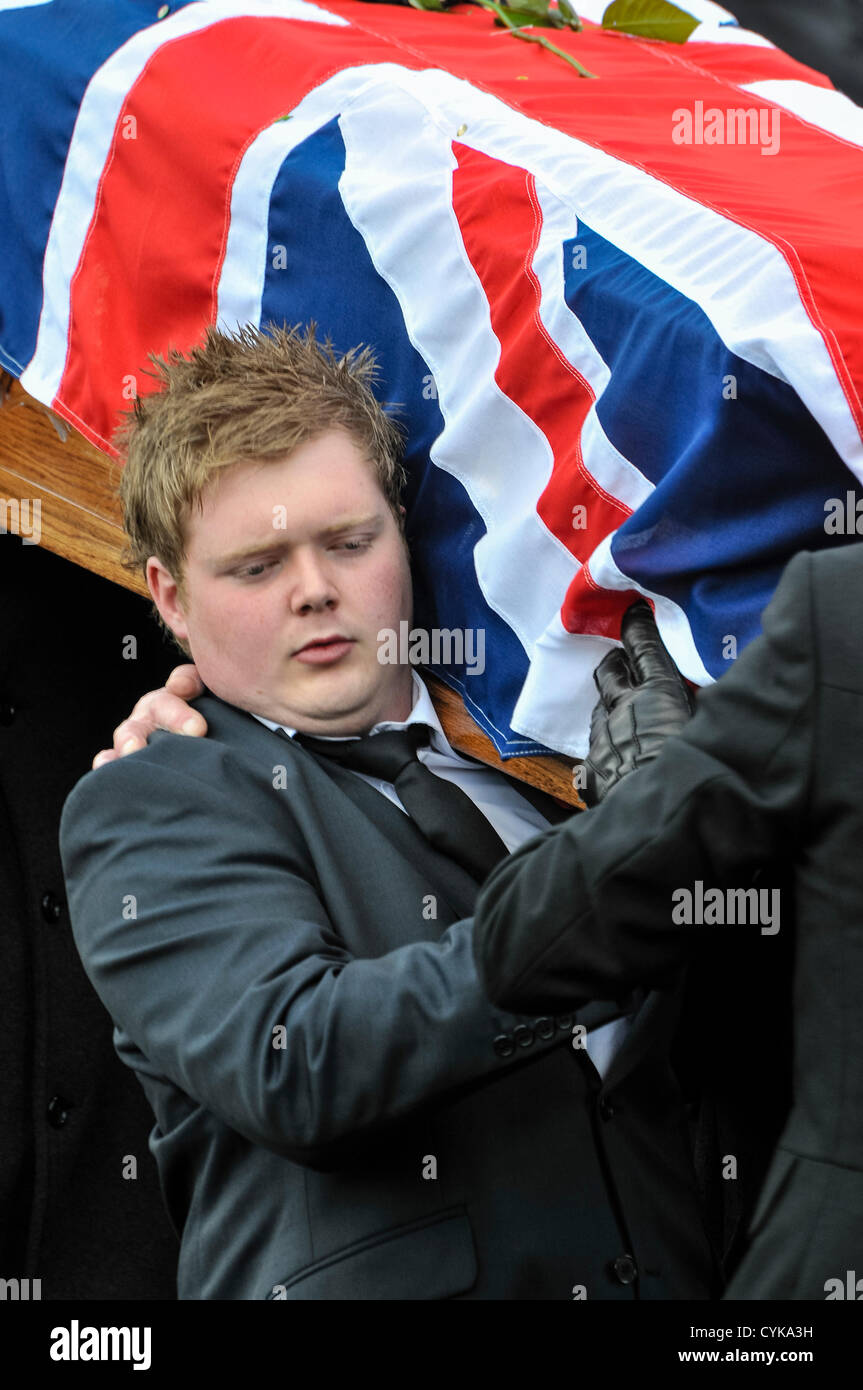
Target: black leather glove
x,y
642,700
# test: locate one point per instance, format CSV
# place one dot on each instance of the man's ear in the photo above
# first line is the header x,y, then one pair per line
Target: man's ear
x,y
166,596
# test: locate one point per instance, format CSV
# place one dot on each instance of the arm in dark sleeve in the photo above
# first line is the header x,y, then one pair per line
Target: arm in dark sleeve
x,y
202,933
586,910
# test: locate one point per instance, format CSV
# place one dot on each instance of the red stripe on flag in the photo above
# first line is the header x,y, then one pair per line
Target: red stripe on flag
x,y
500,221
148,276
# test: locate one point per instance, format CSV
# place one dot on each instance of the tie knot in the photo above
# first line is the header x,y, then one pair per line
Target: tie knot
x,y
383,755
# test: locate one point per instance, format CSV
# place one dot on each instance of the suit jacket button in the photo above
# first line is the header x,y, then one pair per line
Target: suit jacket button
x,y
523,1035
52,907
625,1269
504,1045
58,1111
544,1028
565,1022
7,712
606,1109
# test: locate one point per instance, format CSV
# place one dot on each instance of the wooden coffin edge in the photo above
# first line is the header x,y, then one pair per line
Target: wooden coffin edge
x,y
45,460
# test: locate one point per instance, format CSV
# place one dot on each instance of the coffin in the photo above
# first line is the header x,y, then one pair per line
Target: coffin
x,y
618,314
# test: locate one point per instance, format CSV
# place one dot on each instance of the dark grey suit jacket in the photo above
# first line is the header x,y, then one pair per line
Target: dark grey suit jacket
x,y
770,766
340,1113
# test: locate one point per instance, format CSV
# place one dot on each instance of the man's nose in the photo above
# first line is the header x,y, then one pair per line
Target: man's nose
x,y
311,583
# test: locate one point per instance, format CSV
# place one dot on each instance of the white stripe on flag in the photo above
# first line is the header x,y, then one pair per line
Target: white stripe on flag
x,y
820,106
560,676
241,283
559,693
397,189
614,473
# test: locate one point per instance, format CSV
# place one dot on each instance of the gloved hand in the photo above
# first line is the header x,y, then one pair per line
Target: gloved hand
x,y
642,700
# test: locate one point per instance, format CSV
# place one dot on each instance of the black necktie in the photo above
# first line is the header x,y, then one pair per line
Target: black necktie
x,y
443,812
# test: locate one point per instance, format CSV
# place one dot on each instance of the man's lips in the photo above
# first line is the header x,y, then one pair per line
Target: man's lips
x,y
323,651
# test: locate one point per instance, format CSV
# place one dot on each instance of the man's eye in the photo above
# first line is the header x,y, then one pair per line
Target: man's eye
x,y
354,545
252,571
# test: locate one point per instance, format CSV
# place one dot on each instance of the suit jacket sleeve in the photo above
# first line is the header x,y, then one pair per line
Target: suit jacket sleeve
x,y
204,934
586,910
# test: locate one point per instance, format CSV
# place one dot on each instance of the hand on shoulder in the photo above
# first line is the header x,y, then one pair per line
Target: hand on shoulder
x,y
166,708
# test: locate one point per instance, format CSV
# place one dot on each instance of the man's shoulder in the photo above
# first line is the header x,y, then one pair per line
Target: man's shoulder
x,y
230,727
819,598
838,564
836,578
833,565
819,587
238,756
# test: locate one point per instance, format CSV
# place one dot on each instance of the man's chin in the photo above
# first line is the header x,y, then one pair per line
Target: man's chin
x,y
331,711
340,719
334,703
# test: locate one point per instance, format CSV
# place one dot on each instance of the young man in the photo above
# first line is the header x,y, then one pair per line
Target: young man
x,y
284,941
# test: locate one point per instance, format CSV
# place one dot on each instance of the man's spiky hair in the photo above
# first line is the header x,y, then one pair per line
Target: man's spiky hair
x,y
256,395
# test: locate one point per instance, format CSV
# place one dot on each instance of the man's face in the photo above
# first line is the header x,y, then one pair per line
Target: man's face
x,y
285,554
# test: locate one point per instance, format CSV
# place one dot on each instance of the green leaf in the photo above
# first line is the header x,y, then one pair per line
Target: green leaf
x,y
650,19
427,4
569,14
537,7
540,13
520,17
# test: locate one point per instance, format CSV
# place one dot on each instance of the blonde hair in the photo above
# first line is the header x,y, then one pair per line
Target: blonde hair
x,y
250,397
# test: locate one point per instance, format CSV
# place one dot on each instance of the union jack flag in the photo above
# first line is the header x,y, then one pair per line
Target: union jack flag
x,y
622,323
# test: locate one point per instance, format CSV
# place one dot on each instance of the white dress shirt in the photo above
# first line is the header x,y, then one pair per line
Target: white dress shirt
x,y
511,815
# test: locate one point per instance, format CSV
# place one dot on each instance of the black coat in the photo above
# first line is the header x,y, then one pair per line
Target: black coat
x,y
769,768
71,1116
401,1138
